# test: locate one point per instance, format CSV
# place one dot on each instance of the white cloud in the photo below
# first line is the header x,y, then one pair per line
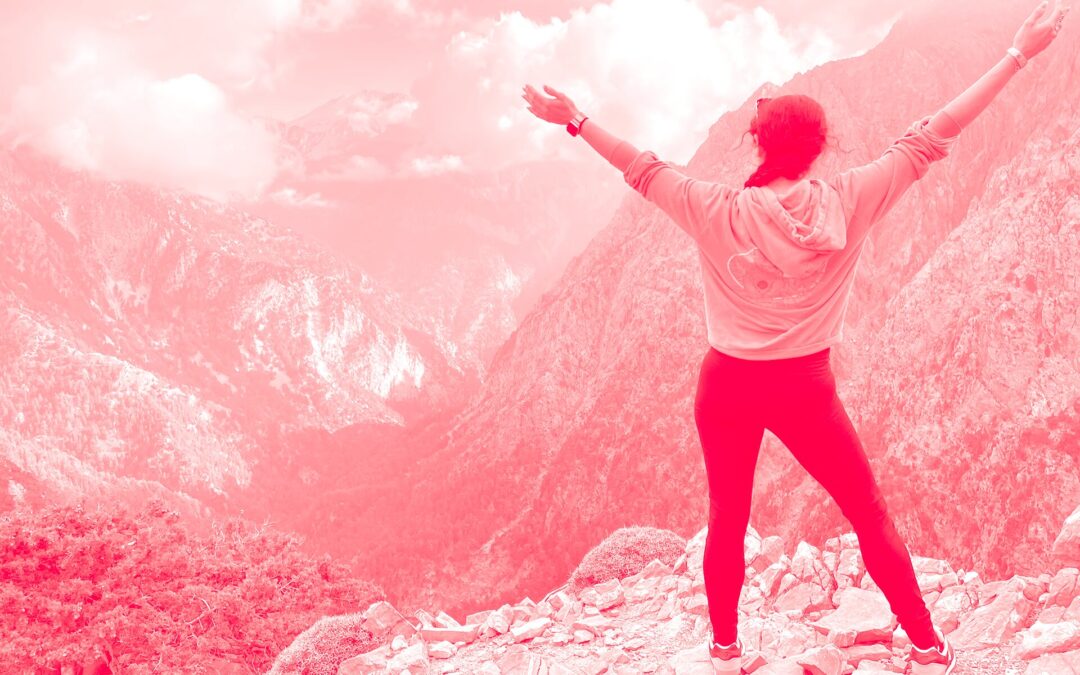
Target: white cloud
x,y
96,113
292,197
658,74
371,115
329,15
428,165
358,168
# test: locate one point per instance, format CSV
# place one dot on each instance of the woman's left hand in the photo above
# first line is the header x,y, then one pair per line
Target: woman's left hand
x,y
557,109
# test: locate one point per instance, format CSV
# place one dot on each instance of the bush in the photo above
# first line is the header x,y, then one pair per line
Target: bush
x,y
625,552
320,649
137,592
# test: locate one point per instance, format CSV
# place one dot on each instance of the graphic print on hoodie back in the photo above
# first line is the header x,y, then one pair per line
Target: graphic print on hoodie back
x,y
789,243
778,269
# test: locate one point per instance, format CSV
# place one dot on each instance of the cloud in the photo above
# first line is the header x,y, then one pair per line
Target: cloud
x,y
356,168
332,14
658,74
95,112
428,165
291,197
371,115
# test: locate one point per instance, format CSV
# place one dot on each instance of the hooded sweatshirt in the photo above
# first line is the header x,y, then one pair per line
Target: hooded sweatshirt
x,y
779,267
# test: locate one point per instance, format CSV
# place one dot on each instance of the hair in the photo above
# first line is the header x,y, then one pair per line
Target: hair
x,y
791,132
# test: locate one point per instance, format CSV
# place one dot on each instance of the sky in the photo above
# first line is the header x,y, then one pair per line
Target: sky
x,y
181,93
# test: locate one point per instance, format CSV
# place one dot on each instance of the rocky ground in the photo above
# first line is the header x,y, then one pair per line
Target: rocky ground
x,y
815,611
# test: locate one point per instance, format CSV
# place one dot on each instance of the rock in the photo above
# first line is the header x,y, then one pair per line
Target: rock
x,y
499,620
692,661
876,651
842,638
788,666
695,551
445,620
803,597
1055,664
804,561
996,622
635,644
697,604
530,629
414,658
680,565
1062,587
751,546
383,621
772,549
595,624
936,566
1047,638
850,563
442,650
827,660
1066,548
525,662
462,633
668,608
374,661
605,595
1072,612
1051,614
953,602
769,579
866,613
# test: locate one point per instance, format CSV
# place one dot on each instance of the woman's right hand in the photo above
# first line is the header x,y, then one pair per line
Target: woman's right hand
x,y
1040,29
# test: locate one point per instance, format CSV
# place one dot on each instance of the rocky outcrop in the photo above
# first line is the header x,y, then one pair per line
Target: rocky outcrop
x,y
813,611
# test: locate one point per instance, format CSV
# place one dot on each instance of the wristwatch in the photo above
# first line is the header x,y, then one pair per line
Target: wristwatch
x,y
574,127
1021,60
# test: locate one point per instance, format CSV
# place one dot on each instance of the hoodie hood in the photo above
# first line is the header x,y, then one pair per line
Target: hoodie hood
x,y
796,231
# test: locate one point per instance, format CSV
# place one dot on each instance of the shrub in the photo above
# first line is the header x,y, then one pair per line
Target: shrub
x,y
320,649
625,552
143,595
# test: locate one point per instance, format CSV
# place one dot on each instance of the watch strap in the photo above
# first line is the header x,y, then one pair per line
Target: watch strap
x,y
574,127
1021,60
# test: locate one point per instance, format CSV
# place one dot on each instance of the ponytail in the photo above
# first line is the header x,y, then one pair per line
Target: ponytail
x,y
791,131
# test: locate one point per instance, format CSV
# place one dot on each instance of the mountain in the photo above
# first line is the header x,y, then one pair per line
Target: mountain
x,y
958,367
475,246
158,343
802,610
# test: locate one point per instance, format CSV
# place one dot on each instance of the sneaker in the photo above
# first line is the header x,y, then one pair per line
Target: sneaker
x,y
937,660
726,659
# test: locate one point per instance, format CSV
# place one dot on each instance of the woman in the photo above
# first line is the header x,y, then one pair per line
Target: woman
x,y
779,258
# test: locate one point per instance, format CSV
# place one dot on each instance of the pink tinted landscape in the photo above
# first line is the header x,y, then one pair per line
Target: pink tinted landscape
x,y
319,353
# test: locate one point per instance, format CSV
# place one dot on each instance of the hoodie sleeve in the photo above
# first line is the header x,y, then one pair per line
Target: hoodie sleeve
x,y
871,190
688,201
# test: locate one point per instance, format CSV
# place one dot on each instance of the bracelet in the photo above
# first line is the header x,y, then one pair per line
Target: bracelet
x,y
1021,60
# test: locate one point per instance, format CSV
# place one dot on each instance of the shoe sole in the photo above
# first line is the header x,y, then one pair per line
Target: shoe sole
x,y
721,667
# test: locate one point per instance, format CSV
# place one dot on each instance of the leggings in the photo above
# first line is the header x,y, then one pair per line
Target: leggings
x,y
795,398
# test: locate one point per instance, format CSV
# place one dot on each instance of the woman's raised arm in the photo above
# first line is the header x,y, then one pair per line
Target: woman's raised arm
x,y
1034,35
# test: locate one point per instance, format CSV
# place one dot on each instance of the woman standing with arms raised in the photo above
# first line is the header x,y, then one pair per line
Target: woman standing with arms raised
x,y
779,258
